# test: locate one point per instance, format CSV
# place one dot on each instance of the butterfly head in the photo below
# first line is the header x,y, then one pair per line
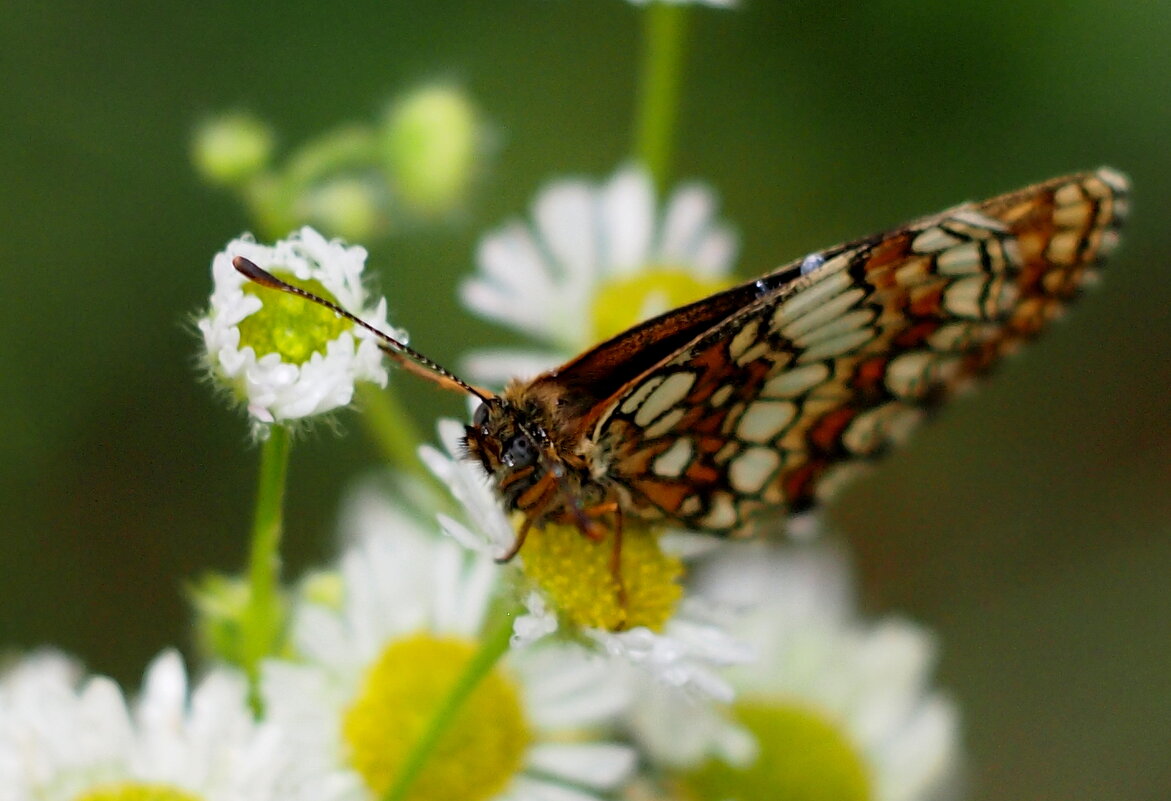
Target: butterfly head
x,y
513,449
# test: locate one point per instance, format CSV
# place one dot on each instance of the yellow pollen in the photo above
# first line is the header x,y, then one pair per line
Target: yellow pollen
x,y
287,325
625,300
576,573
477,755
136,791
802,757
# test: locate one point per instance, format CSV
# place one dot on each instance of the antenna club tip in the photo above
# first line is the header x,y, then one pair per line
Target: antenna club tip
x,y
253,272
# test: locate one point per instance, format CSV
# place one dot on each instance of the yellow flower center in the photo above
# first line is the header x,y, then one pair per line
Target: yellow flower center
x,y
287,325
479,752
626,300
136,791
802,757
576,573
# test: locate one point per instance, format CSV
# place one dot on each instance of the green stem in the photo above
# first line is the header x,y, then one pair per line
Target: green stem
x,y
493,645
391,425
262,622
665,34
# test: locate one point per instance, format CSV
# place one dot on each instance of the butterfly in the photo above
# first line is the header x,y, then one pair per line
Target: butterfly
x,y
764,398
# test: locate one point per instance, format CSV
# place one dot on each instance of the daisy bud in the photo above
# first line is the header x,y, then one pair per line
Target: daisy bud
x,y
232,148
430,138
349,206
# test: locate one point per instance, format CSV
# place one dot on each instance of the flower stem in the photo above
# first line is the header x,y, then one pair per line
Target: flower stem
x,y
262,623
389,422
493,645
665,35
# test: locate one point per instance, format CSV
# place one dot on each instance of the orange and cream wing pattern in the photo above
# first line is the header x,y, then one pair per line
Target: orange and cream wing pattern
x,y
837,356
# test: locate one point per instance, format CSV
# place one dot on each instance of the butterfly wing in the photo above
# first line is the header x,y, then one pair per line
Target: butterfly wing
x,y
774,391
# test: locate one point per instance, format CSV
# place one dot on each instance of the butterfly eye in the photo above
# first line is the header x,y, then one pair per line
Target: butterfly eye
x,y
520,451
480,416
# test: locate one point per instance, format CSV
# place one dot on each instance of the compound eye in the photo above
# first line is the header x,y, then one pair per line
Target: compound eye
x,y
480,416
520,451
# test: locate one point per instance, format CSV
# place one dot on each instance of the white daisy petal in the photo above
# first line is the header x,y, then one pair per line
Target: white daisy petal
x,y
628,220
512,263
714,253
600,766
497,366
530,789
686,222
564,214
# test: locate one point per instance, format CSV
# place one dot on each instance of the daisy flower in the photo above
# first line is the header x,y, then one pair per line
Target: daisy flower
x,y
832,707
287,359
567,584
65,738
594,260
374,668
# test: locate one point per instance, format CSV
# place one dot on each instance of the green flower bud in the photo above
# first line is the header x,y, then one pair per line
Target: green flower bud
x,y
232,148
430,139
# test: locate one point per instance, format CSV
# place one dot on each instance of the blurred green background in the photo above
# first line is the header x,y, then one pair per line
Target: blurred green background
x,y
1029,526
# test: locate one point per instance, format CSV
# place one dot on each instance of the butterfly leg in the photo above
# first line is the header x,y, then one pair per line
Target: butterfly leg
x,y
519,542
616,564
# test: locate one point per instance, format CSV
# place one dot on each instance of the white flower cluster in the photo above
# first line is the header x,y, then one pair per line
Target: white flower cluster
x,y
588,717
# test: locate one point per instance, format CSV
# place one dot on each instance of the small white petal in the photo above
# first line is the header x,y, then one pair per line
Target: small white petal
x,y
565,214
528,789
686,222
497,366
628,220
600,766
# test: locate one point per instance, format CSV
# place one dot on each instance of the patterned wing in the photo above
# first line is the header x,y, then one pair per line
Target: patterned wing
x,y
838,356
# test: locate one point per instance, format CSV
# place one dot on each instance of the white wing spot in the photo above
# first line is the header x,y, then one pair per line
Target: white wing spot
x,y
744,338
933,239
764,419
672,390
810,298
836,327
722,513
824,314
794,382
721,395
911,374
751,470
639,395
730,449
1063,247
961,260
838,346
665,423
673,461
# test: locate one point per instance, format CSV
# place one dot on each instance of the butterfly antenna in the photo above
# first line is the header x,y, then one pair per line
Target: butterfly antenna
x,y
406,356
